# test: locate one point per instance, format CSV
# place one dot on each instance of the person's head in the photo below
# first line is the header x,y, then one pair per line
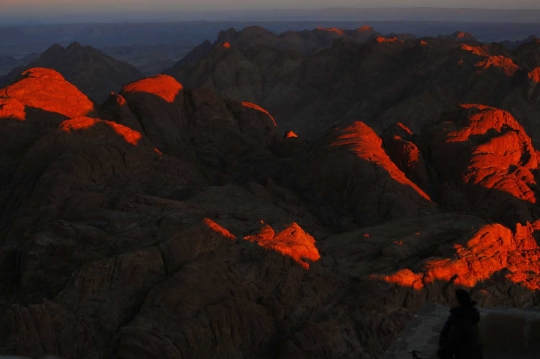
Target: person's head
x,y
463,298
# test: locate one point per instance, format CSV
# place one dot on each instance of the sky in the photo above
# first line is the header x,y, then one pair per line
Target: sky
x,y
58,8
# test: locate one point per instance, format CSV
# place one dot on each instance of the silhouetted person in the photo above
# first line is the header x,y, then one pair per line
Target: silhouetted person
x,y
459,337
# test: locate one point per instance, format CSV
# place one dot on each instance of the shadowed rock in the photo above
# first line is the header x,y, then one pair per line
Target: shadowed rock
x,y
349,169
170,222
399,144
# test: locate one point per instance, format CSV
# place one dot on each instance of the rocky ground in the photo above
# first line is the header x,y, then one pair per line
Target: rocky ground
x,y
170,222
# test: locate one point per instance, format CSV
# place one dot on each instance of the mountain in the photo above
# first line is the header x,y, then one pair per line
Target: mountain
x,y
95,73
143,220
514,44
381,81
305,42
170,221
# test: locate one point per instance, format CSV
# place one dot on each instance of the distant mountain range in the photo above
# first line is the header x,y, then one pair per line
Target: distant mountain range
x,y
488,26
310,83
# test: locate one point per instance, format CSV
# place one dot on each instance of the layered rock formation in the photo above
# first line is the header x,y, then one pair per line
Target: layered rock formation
x,y
170,222
485,153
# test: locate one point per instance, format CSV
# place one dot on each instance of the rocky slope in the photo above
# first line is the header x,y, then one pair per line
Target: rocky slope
x,y
170,222
93,72
307,41
380,81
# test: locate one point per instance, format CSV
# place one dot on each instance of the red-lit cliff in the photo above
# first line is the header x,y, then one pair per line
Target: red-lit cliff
x,y
168,221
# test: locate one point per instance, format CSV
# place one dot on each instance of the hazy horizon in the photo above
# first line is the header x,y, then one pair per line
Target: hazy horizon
x,y
102,10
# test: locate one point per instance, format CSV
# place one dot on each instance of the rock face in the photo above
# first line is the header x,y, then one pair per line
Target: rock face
x,y
493,251
349,169
292,242
78,188
93,72
401,145
170,222
378,80
190,123
486,154
47,90
38,102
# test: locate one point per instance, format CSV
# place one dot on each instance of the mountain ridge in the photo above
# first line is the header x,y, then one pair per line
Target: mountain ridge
x,y
170,220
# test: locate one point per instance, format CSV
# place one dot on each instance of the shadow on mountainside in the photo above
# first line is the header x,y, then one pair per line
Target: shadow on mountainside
x,y
123,246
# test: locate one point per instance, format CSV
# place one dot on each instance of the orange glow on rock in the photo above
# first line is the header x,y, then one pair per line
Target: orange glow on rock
x,y
370,148
474,49
404,128
292,242
120,100
260,109
499,61
491,249
226,45
158,151
82,123
534,75
218,229
365,28
405,278
334,30
163,86
490,118
423,43
291,134
501,163
504,63
129,135
384,40
11,108
47,90
78,123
